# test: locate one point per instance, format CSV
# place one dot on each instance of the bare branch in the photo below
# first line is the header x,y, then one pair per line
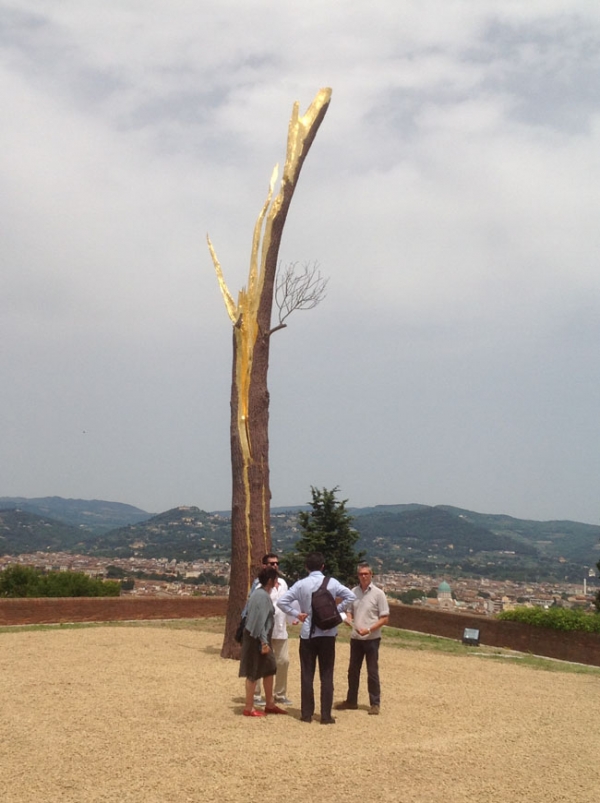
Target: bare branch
x,y
297,289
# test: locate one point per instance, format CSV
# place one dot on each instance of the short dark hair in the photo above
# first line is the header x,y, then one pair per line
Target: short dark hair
x,y
266,557
315,561
265,575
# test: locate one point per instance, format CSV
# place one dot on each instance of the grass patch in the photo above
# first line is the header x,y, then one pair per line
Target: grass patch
x,y
410,640
212,624
393,637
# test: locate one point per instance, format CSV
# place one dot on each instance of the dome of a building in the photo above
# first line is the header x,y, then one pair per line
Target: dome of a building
x,y
444,588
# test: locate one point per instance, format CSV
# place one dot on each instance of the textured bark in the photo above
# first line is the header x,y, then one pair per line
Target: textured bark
x,y
251,318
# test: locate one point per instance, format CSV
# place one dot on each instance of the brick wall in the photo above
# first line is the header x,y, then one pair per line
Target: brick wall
x,y
107,609
581,648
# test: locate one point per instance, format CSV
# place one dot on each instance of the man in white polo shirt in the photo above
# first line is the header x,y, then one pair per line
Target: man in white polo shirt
x,y
366,616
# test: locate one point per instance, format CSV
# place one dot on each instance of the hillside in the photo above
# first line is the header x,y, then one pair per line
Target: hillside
x,y
569,539
92,516
183,533
457,542
405,537
22,532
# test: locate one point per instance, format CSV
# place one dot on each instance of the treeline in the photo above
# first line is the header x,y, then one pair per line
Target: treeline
x,y
434,530
554,617
25,581
203,579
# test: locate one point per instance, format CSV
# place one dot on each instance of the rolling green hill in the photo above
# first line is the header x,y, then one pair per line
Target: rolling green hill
x,y
567,539
22,532
92,516
409,538
449,541
183,533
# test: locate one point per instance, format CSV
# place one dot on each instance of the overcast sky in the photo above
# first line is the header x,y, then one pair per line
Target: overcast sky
x,y
452,195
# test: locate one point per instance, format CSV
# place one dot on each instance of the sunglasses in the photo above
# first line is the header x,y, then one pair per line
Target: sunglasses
x,y
273,563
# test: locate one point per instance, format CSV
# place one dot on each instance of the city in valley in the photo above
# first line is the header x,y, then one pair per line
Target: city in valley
x,y
162,577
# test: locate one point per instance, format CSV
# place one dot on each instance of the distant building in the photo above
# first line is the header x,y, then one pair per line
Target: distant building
x,y
444,596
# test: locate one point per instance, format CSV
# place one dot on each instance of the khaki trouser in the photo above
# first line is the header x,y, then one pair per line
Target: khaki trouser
x,y
282,659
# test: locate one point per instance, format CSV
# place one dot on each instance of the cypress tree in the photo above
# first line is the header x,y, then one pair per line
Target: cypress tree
x,y
326,528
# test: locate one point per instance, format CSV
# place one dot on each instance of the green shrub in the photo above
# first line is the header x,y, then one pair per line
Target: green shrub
x,y
407,597
25,581
555,618
19,581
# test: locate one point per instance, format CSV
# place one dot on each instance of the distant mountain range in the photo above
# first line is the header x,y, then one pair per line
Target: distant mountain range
x,y
409,538
91,516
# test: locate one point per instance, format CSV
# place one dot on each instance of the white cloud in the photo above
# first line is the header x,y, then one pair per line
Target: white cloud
x,y
451,195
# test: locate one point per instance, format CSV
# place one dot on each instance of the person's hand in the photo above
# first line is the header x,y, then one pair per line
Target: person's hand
x,y
302,617
265,649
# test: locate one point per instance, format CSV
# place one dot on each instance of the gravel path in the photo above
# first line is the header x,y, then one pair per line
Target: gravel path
x,y
146,714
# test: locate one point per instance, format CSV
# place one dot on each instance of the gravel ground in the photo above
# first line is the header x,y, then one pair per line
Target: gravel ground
x,y
147,714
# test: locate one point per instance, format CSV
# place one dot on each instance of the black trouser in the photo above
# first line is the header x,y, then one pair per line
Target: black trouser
x,y
321,648
368,649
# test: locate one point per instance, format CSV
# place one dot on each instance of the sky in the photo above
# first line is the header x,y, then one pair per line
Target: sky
x,y
452,197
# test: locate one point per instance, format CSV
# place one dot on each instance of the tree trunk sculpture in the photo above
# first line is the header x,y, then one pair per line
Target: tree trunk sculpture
x,y
251,318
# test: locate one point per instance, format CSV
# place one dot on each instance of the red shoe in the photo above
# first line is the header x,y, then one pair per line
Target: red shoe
x,y
254,713
275,710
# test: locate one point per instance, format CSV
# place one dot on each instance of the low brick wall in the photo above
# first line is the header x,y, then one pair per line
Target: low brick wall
x,y
107,609
583,648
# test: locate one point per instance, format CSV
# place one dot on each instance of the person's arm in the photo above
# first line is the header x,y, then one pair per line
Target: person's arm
x,y
253,588
349,620
345,596
289,603
259,607
264,633
293,620
384,613
266,610
366,631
